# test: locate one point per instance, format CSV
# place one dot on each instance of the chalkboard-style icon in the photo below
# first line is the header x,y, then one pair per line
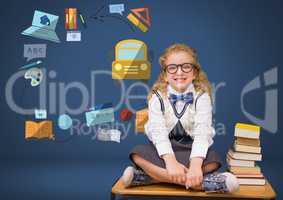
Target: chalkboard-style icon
x,y
65,122
32,51
36,76
131,60
43,26
103,113
140,18
39,130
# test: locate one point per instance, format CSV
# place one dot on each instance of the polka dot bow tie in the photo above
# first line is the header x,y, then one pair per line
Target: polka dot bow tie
x,y
187,98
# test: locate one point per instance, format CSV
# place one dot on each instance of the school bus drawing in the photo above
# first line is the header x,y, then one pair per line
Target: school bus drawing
x,y
131,60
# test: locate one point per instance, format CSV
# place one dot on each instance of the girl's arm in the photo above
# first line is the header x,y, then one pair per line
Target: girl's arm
x,y
156,129
203,134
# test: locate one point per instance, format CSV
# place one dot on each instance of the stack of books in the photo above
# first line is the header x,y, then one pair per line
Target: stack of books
x,y
242,156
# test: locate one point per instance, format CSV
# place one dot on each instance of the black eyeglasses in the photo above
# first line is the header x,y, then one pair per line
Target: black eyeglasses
x,y
185,67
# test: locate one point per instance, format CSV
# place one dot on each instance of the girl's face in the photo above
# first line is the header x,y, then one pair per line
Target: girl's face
x,y
184,75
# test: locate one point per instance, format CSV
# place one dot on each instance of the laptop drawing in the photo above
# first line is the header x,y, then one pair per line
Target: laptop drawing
x,y
43,26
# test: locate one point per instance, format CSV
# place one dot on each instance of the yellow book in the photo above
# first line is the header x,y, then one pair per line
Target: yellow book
x,y
248,127
247,131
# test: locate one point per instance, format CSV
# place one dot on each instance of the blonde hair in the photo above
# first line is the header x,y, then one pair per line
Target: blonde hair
x,y
201,83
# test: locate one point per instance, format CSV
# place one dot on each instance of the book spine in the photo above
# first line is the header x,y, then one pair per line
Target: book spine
x,y
240,163
244,181
75,19
66,18
245,156
71,20
247,149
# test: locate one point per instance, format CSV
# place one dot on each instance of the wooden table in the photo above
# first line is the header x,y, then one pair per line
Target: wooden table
x,y
169,191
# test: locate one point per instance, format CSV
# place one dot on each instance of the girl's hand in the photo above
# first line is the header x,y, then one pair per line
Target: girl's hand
x,y
194,177
175,170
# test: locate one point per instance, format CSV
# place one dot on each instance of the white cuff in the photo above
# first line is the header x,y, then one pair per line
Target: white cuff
x,y
164,148
199,150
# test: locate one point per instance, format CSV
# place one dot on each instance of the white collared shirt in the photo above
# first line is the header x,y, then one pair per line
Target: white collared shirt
x,y
196,120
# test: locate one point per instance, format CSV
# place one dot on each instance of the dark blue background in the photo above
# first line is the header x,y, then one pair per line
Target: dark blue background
x,y
235,40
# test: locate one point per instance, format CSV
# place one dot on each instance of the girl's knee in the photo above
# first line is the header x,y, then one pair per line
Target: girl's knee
x,y
136,158
210,167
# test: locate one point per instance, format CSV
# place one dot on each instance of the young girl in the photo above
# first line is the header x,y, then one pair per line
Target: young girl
x,y
179,128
